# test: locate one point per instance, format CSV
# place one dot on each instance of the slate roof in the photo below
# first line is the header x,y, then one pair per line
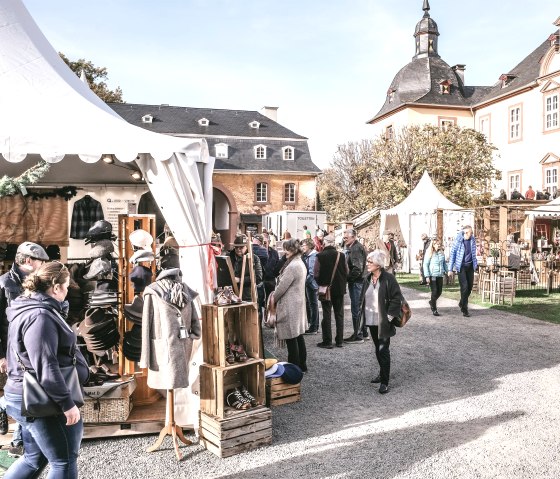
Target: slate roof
x,y
230,127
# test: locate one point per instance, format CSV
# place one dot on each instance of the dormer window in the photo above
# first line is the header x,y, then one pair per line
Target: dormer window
x,y
288,153
260,152
203,122
445,87
254,124
147,119
506,79
221,150
554,40
391,94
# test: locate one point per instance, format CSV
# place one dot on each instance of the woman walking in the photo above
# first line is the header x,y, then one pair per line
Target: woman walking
x,y
289,297
381,305
44,342
435,267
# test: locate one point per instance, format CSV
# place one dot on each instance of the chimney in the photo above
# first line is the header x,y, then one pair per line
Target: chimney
x,y
460,72
271,112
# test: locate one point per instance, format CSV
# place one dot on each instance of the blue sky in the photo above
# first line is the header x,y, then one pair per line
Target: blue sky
x,y
326,64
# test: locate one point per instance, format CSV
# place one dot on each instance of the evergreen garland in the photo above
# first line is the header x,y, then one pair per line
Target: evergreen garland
x,y
11,186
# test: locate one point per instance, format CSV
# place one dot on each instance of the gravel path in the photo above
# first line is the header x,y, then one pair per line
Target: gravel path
x,y
471,397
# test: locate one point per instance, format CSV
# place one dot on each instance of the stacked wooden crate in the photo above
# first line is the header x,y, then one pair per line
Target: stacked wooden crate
x,y
280,392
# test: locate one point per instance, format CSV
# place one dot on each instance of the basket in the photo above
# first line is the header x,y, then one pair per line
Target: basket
x,y
106,410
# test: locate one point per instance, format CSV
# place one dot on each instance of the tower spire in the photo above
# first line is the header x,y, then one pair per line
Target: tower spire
x,y
426,7
426,34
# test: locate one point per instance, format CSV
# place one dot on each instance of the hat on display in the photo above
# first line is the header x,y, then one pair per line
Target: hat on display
x,y
240,240
102,248
33,250
142,255
292,373
107,286
98,267
170,261
269,362
276,371
170,242
98,228
133,311
132,343
141,239
99,237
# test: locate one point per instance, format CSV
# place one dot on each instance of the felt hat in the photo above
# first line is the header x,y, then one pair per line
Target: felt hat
x,y
292,373
240,240
107,286
169,261
140,277
276,371
99,237
134,310
102,248
33,250
170,242
141,239
142,255
98,267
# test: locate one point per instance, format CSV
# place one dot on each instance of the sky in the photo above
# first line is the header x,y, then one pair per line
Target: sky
x,y
327,64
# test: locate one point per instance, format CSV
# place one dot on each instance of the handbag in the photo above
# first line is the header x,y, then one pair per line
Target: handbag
x,y
406,312
324,292
270,321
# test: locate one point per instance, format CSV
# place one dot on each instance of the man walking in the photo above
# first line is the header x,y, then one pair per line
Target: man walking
x,y
29,256
463,260
356,261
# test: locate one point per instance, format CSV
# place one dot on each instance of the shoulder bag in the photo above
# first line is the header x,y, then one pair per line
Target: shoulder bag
x,y
406,312
324,292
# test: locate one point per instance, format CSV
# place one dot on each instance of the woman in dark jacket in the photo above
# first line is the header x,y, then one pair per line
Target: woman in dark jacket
x,y
380,305
44,342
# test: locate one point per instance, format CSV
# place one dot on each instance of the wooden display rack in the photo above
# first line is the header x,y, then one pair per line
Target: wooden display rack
x,y
279,392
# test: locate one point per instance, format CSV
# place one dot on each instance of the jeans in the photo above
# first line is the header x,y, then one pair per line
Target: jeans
x,y
355,291
46,440
312,307
466,280
297,352
337,304
16,437
382,354
436,286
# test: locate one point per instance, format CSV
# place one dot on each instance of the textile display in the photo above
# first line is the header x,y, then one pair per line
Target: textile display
x,y
85,213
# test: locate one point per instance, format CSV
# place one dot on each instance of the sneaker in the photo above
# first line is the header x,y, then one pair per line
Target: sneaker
x,y
236,400
367,338
311,331
324,345
16,451
354,340
249,396
3,422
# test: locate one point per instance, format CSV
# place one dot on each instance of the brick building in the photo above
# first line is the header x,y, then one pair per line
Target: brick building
x,y
261,166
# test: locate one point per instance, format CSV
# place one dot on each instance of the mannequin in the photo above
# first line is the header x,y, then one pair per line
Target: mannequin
x,y
170,324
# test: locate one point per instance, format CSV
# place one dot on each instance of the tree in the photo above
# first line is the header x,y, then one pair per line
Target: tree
x,y
95,77
382,172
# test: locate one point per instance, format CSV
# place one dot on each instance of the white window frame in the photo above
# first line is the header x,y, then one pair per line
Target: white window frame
x,y
261,192
147,119
254,124
514,182
484,126
203,122
551,179
446,121
289,193
258,155
515,122
552,111
221,150
288,153
389,132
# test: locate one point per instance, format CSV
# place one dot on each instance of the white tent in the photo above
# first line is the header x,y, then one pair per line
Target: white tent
x,y
417,214
47,111
549,209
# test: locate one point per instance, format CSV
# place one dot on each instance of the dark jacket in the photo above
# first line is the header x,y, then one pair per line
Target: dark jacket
x,y
356,259
262,253
10,289
323,270
269,270
237,264
390,297
44,343
85,213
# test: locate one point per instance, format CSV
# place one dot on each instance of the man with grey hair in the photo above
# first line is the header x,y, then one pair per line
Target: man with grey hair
x,y
356,261
463,260
29,256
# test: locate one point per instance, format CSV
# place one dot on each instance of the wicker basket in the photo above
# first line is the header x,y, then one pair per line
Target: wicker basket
x,y
106,410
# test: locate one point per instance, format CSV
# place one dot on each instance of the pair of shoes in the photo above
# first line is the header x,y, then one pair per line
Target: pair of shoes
x,y
311,331
240,399
225,296
3,422
324,345
376,379
466,313
230,357
239,354
383,389
16,451
354,340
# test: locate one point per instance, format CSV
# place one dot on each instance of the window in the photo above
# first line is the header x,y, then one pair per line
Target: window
x,y
484,126
551,180
445,122
445,87
290,193
514,182
515,129
147,119
551,112
391,95
506,79
262,193
260,152
389,133
221,150
203,122
288,153
254,124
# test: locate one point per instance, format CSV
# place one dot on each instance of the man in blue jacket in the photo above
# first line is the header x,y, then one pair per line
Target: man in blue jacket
x,y
463,260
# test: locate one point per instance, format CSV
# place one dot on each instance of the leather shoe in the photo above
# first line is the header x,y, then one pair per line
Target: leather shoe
x,y
376,379
383,389
466,313
436,312
324,345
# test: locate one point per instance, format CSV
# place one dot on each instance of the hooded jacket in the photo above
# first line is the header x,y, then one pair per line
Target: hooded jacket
x,y
44,343
10,289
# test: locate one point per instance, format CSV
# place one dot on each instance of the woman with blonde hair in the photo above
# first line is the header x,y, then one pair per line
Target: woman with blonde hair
x,y
40,339
435,267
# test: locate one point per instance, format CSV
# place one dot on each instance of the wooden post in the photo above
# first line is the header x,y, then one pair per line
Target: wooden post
x,y
503,228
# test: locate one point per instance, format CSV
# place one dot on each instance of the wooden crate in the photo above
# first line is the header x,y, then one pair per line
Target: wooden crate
x,y
217,381
279,392
223,324
226,437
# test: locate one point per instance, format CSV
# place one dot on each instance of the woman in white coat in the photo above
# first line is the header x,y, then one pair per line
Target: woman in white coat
x,y
289,297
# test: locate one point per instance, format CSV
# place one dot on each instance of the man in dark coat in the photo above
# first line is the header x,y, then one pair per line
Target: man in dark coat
x,y
356,261
262,252
236,255
323,272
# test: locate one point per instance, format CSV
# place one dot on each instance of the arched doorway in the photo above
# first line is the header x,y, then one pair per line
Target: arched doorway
x,y
224,214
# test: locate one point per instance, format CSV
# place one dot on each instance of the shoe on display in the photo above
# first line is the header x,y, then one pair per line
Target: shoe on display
x,y
383,389
239,352
230,357
221,299
376,379
324,345
236,400
247,395
16,451
3,422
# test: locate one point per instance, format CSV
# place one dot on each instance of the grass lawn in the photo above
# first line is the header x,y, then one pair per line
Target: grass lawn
x,y
534,304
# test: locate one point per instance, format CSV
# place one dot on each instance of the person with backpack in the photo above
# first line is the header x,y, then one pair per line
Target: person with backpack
x,y
380,310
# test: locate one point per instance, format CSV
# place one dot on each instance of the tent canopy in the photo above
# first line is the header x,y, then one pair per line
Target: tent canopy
x,y
549,209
